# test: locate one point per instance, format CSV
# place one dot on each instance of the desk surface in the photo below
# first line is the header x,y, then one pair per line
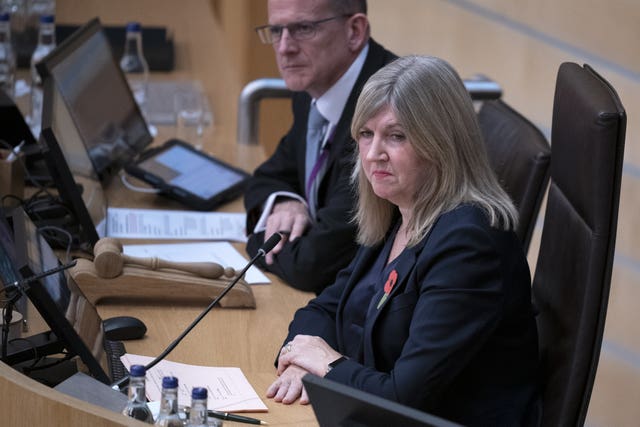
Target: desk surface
x,y
245,338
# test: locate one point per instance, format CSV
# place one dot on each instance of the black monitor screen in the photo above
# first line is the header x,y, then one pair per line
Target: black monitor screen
x,y
71,169
8,272
337,405
58,299
98,98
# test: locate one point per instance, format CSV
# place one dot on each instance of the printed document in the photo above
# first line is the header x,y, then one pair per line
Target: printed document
x,y
228,388
169,224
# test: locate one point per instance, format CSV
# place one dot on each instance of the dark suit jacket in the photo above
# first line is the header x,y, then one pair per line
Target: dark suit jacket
x,y
312,261
457,335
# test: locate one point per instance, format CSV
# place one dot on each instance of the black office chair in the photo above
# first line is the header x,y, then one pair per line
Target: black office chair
x,y
519,154
573,273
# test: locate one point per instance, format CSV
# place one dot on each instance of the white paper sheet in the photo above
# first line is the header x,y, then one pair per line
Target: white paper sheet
x,y
169,224
222,253
228,388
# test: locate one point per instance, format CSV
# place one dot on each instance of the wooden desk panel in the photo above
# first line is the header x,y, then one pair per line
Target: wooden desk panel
x,y
246,338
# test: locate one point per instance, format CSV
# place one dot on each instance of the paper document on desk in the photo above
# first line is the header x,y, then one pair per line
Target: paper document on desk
x,y
228,388
222,253
168,224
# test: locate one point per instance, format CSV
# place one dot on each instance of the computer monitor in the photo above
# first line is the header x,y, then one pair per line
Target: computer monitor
x,y
72,171
337,405
98,98
60,302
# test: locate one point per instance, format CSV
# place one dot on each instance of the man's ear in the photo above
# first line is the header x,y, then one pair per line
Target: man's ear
x,y
358,31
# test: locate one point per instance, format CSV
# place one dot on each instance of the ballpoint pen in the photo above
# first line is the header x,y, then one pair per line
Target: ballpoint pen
x,y
230,417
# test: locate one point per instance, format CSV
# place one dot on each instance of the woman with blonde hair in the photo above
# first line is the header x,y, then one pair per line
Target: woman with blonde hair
x,y
435,309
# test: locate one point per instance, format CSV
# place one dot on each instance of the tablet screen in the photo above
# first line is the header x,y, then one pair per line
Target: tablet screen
x,y
191,171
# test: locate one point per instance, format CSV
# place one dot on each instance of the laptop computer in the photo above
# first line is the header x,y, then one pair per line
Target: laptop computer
x,y
73,321
92,119
337,405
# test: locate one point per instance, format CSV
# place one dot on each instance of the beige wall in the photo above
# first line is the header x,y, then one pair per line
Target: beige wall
x,y
520,44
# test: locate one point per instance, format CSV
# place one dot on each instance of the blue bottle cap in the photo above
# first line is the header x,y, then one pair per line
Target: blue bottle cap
x,y
134,26
5,17
169,382
199,393
46,19
137,371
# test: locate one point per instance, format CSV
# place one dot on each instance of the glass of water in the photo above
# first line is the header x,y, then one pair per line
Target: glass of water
x,y
189,108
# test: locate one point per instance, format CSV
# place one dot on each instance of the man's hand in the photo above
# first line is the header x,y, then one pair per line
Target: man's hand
x,y
291,219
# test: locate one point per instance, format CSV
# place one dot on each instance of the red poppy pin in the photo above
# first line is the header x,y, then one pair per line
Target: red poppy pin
x,y
388,286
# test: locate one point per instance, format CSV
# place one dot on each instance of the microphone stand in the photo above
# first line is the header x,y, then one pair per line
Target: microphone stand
x,y
266,247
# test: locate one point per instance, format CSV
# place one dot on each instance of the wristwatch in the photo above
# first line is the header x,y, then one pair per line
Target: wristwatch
x,y
335,363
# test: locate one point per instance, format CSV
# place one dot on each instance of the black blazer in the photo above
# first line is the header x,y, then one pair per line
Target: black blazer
x,y
457,335
311,262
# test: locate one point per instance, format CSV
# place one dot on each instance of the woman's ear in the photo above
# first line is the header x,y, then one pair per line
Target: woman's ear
x,y
358,31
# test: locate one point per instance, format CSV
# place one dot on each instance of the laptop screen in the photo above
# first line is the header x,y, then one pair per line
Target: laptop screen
x,y
99,101
60,302
337,405
72,170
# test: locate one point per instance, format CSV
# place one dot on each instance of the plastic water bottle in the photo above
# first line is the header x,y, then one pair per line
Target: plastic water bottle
x,y
134,65
169,416
7,57
137,405
46,43
198,411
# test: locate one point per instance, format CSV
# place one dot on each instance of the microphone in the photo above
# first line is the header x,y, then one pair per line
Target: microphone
x,y
264,249
19,284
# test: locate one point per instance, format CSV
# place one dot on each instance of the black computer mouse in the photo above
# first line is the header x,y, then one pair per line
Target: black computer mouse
x,y
121,328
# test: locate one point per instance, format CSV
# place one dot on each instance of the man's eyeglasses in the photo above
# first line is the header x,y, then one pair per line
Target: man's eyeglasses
x,y
298,31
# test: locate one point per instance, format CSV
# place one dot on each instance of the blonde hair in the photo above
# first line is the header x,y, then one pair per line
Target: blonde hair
x,y
431,103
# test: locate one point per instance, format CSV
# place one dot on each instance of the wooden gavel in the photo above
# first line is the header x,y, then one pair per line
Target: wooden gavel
x,y
109,261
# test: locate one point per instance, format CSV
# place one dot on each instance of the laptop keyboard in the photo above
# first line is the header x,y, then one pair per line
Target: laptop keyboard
x,y
115,349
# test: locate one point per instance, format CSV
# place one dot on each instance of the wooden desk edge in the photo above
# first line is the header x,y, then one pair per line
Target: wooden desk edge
x,y
26,402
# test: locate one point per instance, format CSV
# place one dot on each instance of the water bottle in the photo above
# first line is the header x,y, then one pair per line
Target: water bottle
x,y
137,405
169,416
133,64
198,411
7,58
46,43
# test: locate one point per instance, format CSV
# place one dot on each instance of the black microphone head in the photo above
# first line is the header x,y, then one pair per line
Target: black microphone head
x,y
271,243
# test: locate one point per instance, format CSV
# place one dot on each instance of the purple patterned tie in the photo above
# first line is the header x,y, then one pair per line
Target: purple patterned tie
x,y
316,156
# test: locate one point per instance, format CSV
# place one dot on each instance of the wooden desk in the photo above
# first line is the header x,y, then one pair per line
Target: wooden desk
x,y
245,338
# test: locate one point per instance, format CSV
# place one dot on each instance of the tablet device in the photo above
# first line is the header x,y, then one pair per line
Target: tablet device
x,y
337,405
188,175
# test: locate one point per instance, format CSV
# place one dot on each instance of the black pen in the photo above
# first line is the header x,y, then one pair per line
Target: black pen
x,y
230,417
234,417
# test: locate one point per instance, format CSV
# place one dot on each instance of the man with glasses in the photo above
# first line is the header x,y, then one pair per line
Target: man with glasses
x,y
325,55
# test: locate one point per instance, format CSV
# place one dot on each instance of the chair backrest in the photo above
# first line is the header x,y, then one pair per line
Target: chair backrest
x,y
519,154
480,87
573,272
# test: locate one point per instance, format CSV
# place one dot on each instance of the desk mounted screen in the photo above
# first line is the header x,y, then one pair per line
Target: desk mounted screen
x,y
58,299
337,405
72,171
99,100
